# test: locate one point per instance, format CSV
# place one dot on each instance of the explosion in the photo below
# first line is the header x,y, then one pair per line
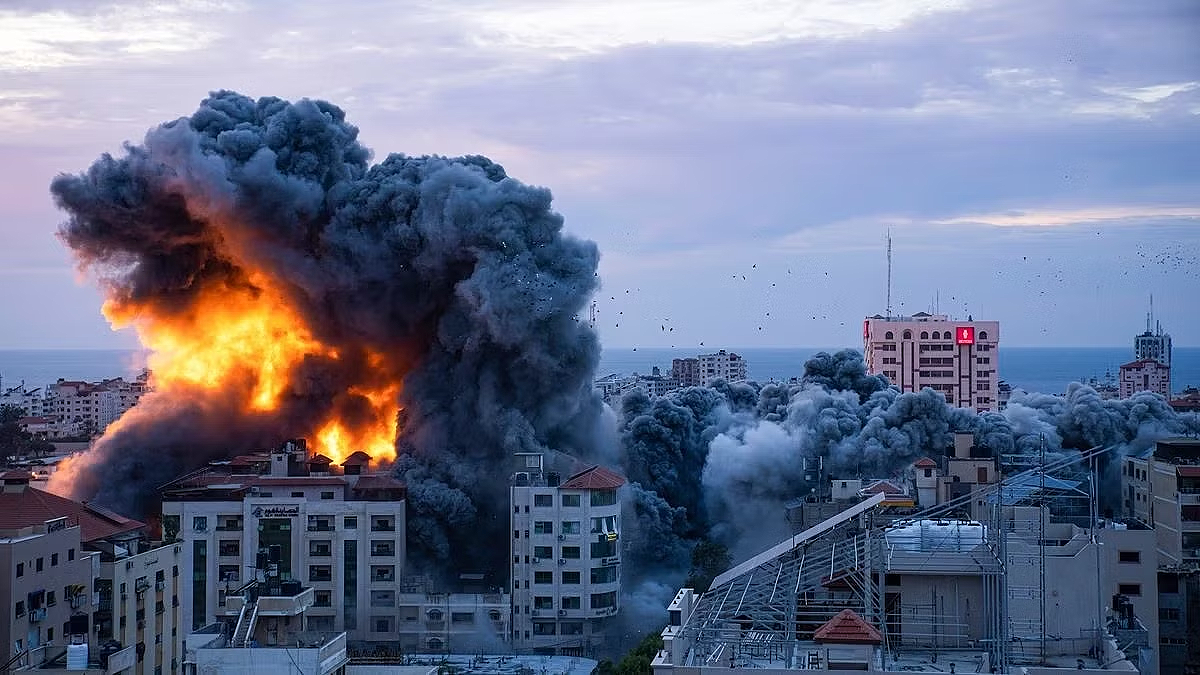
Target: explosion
x,y
422,309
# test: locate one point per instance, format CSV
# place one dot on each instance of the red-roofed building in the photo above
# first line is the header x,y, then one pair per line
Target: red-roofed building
x,y
566,555
1145,375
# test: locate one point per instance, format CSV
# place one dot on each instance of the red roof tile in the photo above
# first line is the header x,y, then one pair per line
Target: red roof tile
x,y
925,463
595,478
848,628
887,487
34,507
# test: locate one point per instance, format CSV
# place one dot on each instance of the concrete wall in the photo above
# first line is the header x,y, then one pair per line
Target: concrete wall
x,y
64,563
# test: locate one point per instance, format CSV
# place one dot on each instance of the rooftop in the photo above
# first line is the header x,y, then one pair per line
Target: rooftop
x,y
31,507
847,627
595,478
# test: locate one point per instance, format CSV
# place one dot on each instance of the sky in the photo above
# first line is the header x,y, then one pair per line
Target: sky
x,y
739,163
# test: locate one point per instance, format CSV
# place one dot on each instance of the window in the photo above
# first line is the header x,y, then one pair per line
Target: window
x,y
1168,583
544,552
606,524
41,564
382,524
604,575
570,500
320,573
51,598
889,336
229,547
382,624
543,527
543,602
925,335
383,598
983,335
320,548
350,523
327,494
20,570
543,500
54,560
570,527
200,523
383,572
543,577
20,610
604,497
543,627
570,577
297,494
1129,556
604,600
981,474
907,335
462,617
570,552
227,572
604,549
1132,590
322,598
1168,614
571,602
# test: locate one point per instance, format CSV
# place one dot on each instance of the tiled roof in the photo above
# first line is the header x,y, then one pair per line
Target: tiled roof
x,y
357,457
848,628
595,478
886,487
925,463
33,507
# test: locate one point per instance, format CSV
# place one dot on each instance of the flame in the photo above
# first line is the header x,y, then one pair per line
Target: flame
x,y
247,341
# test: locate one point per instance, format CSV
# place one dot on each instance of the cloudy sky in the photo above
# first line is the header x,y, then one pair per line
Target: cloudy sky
x,y
739,163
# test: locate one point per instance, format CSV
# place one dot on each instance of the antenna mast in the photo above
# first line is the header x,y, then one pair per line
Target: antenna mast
x,y
889,273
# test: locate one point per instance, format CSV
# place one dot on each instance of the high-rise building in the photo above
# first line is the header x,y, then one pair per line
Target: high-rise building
x,y
721,366
686,372
1145,375
566,557
297,526
958,359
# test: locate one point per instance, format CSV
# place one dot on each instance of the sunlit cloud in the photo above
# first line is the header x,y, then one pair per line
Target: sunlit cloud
x,y
1080,216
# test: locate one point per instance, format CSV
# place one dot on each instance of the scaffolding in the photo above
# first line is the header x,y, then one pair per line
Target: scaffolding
x,y
767,608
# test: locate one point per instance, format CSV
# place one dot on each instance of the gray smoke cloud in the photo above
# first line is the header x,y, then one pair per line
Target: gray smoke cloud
x,y
751,456
458,275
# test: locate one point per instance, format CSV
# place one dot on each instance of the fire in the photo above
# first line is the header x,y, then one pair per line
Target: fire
x,y
247,341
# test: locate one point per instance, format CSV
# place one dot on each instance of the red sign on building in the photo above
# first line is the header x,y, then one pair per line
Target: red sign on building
x,y
965,335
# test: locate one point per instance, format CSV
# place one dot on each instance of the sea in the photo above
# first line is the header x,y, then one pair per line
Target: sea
x,y
1036,369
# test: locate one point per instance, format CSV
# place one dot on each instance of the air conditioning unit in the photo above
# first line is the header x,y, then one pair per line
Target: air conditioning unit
x,y
562,561
562,612
537,560
562,537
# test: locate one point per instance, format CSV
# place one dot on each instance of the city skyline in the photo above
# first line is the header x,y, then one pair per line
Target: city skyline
x,y
739,171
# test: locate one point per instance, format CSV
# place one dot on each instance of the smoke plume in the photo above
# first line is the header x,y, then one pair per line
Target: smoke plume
x,y
753,456
288,287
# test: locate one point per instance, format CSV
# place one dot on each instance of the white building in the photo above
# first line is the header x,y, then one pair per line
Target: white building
x,y
288,518
1145,375
566,557
721,366
88,405
958,359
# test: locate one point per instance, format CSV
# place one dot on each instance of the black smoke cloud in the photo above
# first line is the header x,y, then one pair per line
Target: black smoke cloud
x,y
731,462
459,275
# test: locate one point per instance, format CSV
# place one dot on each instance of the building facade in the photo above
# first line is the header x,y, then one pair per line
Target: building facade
x,y
686,372
1162,489
286,516
566,557
958,359
721,366
1145,375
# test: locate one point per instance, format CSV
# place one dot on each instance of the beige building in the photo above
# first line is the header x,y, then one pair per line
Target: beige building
x,y
1145,375
566,557
81,575
1162,489
958,359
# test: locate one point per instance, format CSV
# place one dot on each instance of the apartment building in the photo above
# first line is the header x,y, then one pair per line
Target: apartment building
x,y
958,359
82,575
1144,375
288,520
1162,489
566,557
